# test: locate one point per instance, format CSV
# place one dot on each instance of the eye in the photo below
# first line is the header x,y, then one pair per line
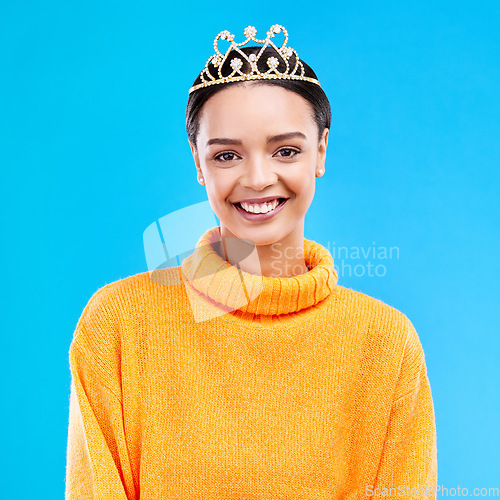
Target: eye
x,y
287,152
225,156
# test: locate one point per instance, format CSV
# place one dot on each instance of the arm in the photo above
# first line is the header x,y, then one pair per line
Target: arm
x,y
409,456
98,464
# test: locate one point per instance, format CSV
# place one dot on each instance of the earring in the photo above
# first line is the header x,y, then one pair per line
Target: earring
x,y
320,171
201,180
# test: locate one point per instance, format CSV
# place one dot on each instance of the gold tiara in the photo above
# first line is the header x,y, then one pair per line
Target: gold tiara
x,y
283,52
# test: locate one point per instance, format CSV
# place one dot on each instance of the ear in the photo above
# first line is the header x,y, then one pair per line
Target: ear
x,y
196,158
323,143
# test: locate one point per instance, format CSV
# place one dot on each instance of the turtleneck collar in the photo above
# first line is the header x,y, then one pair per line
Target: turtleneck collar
x,y
230,288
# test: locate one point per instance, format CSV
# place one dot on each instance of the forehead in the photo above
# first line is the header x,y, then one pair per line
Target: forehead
x,y
256,109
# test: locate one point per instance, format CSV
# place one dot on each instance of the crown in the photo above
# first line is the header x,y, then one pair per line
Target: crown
x,y
283,54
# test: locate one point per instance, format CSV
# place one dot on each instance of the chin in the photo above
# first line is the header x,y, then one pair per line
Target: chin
x,y
261,234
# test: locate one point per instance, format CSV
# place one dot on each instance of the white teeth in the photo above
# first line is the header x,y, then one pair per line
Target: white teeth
x,y
262,208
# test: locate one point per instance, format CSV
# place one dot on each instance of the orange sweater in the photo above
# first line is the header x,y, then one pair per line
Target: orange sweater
x,y
205,382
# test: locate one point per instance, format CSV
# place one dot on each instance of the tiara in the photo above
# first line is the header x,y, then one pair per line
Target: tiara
x,y
283,52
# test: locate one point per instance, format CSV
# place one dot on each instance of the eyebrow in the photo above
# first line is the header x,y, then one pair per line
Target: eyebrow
x,y
272,138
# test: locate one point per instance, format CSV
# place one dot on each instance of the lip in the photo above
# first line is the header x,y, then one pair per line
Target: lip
x,y
260,200
260,217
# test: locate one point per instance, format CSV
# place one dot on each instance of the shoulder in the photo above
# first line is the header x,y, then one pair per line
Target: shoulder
x,y
113,309
378,323
385,335
120,301
126,294
370,309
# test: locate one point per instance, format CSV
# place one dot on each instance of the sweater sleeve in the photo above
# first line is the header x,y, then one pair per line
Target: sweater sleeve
x,y
409,456
97,460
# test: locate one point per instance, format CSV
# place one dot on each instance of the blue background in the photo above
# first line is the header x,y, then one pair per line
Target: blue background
x,y
93,149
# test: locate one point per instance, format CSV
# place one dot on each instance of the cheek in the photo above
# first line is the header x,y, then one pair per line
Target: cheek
x,y
303,186
219,187
302,181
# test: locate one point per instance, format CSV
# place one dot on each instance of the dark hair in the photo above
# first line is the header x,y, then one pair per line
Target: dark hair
x,y
312,92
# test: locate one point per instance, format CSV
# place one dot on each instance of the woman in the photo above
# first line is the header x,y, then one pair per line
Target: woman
x,y
248,372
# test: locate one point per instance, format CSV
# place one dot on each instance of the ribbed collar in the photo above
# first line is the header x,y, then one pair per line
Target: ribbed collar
x,y
225,285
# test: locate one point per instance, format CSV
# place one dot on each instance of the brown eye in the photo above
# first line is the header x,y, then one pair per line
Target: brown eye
x,y
225,156
287,152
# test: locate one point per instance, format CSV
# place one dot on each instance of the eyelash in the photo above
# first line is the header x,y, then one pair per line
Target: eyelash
x,y
294,150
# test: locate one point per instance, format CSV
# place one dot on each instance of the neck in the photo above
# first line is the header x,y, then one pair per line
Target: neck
x,y
277,259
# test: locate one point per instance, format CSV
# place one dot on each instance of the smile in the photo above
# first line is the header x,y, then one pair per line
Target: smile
x,y
264,211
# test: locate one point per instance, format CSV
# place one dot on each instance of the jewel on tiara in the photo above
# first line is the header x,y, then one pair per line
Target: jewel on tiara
x,y
283,52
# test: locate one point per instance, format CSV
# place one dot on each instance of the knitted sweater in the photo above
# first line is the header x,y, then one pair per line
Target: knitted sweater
x,y
206,382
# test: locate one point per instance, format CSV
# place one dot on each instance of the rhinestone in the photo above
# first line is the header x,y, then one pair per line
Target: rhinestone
x,y
250,31
236,63
272,62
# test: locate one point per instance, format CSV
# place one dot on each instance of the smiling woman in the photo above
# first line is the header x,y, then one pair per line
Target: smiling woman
x,y
256,144
256,376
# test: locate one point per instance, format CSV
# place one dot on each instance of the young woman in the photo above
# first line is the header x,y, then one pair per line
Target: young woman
x,y
248,372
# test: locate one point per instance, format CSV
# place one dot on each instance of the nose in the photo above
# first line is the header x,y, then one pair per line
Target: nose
x,y
259,174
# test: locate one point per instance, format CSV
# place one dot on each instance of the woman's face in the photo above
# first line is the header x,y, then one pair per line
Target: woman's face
x,y
257,141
